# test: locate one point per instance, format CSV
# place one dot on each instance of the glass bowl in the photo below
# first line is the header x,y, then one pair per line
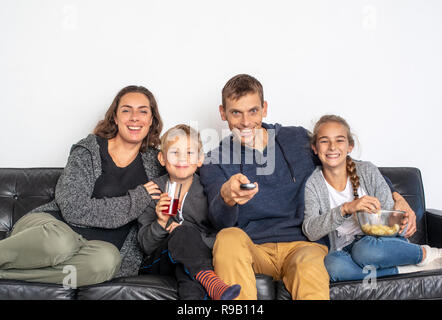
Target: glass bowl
x,y
384,223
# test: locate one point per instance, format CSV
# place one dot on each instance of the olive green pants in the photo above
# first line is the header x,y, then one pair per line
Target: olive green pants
x,y
44,249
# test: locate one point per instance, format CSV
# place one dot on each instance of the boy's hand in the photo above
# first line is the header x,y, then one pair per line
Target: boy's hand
x,y
232,193
365,203
153,190
172,226
162,205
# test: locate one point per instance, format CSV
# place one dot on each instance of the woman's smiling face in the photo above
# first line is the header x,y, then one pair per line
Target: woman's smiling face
x,y
133,117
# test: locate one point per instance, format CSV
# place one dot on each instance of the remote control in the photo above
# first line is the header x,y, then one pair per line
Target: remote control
x,y
247,186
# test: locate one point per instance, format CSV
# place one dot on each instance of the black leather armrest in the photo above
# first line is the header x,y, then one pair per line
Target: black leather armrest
x,y
434,227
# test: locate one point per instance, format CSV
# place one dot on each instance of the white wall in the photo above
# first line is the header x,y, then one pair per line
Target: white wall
x,y
377,63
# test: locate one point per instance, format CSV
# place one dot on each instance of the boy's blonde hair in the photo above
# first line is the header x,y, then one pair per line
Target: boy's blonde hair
x,y
168,138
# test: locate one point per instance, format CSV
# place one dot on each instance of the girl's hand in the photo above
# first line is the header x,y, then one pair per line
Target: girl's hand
x,y
365,203
162,205
153,190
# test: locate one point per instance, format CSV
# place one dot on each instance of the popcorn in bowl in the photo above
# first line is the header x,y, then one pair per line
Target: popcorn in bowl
x,y
384,223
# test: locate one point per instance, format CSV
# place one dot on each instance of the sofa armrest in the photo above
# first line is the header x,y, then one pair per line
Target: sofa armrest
x,y
434,227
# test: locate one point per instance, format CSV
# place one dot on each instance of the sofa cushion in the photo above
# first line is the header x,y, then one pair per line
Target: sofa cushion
x,y
411,286
143,287
418,285
265,287
22,290
155,287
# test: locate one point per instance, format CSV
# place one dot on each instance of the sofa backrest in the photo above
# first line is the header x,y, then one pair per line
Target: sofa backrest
x,y
22,190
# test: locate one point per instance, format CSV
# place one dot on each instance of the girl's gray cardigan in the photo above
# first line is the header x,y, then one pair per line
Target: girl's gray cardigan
x,y
73,198
320,219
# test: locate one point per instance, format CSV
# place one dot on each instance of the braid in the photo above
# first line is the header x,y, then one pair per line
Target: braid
x,y
354,179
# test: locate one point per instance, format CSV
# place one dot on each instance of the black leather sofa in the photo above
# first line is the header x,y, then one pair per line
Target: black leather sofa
x,y
24,189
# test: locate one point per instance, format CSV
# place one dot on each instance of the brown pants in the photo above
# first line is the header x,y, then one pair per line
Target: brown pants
x,y
300,264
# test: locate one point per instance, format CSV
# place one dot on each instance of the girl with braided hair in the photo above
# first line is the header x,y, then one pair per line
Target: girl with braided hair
x,y
339,188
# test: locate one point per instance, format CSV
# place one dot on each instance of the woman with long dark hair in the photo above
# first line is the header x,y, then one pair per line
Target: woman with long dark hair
x,y
92,222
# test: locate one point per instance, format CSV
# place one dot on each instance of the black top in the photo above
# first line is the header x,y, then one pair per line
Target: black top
x,y
113,182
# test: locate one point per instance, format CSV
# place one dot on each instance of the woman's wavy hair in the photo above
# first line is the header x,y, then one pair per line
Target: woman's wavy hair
x,y
351,167
107,128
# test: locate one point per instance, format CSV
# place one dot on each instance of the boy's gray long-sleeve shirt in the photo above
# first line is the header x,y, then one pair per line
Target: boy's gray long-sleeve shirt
x,y
195,213
321,220
73,198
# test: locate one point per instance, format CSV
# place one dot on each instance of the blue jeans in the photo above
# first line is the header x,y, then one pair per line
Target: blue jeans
x,y
382,253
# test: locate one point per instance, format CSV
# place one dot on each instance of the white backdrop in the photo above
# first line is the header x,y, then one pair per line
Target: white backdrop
x,y
376,63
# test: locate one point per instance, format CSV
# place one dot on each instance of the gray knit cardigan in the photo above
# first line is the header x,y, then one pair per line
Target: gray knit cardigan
x,y
321,220
73,198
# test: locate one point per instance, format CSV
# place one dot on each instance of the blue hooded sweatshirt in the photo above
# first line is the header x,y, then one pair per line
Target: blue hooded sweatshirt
x,y
276,212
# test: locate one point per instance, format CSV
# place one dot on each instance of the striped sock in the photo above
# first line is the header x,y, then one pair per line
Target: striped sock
x,y
215,287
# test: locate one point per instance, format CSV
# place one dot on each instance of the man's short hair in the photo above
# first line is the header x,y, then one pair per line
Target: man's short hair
x,y
241,85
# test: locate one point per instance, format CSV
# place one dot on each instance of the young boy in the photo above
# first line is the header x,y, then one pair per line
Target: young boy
x,y
189,235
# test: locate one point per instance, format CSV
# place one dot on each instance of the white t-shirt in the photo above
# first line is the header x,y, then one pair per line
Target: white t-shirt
x,y
350,228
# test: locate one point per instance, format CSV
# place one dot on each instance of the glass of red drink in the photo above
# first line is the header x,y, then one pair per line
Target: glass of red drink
x,y
173,190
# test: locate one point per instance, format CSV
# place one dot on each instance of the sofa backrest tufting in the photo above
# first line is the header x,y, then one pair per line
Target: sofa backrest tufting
x,y
22,190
